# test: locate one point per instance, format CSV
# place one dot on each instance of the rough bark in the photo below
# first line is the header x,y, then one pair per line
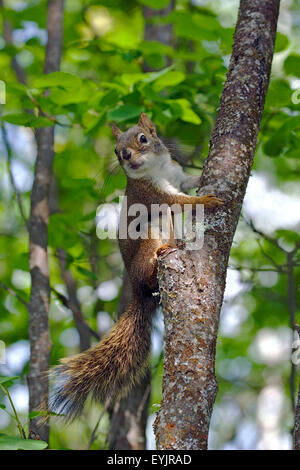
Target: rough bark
x,y
192,282
297,424
296,436
40,345
73,302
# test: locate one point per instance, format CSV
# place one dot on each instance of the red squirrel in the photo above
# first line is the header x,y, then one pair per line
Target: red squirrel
x,y
109,369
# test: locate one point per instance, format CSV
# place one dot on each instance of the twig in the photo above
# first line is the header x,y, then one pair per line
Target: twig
x,y
277,266
48,116
94,432
11,177
66,303
259,232
240,268
291,298
143,402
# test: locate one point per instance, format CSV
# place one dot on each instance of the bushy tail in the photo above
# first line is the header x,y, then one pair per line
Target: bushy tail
x,y
109,369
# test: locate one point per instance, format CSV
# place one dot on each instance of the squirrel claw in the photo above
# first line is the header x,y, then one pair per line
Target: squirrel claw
x,y
164,250
212,201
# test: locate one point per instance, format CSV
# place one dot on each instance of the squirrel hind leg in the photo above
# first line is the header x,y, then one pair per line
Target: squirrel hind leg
x,y
143,267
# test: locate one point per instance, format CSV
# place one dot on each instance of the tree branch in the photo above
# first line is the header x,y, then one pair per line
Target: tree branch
x,y
297,411
15,294
192,283
40,345
73,304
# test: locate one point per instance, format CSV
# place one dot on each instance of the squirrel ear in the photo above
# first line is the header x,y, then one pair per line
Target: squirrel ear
x,y
116,131
147,124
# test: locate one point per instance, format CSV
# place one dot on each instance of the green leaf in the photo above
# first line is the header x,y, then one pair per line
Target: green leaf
x,y
288,236
65,80
41,122
132,78
16,443
90,119
292,65
87,273
279,94
197,26
279,141
34,414
20,119
181,108
171,78
155,47
27,120
124,112
110,98
281,43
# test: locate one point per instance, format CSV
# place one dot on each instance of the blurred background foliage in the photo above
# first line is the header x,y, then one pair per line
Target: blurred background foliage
x,y
111,73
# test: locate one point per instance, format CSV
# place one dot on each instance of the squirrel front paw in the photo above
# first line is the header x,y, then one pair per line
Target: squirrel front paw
x,y
210,201
164,250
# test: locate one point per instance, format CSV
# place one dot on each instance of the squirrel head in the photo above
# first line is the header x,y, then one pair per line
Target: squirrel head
x,y
139,148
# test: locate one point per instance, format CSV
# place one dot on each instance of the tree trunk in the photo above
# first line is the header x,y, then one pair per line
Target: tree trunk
x,y
40,345
192,282
297,410
82,327
129,415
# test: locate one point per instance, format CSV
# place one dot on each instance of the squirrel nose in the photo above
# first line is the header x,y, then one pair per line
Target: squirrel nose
x,y
126,154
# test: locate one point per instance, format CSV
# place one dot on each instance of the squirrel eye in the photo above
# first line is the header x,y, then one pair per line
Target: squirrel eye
x,y
143,139
116,152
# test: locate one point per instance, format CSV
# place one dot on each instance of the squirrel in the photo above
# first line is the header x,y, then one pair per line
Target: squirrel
x,y
108,370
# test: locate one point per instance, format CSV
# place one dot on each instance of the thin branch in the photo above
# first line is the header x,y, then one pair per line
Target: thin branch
x,y
15,415
266,255
292,316
259,232
94,432
11,177
143,402
66,303
39,304
48,116
241,268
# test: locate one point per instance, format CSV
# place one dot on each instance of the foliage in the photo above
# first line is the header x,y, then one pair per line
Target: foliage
x,y
102,80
